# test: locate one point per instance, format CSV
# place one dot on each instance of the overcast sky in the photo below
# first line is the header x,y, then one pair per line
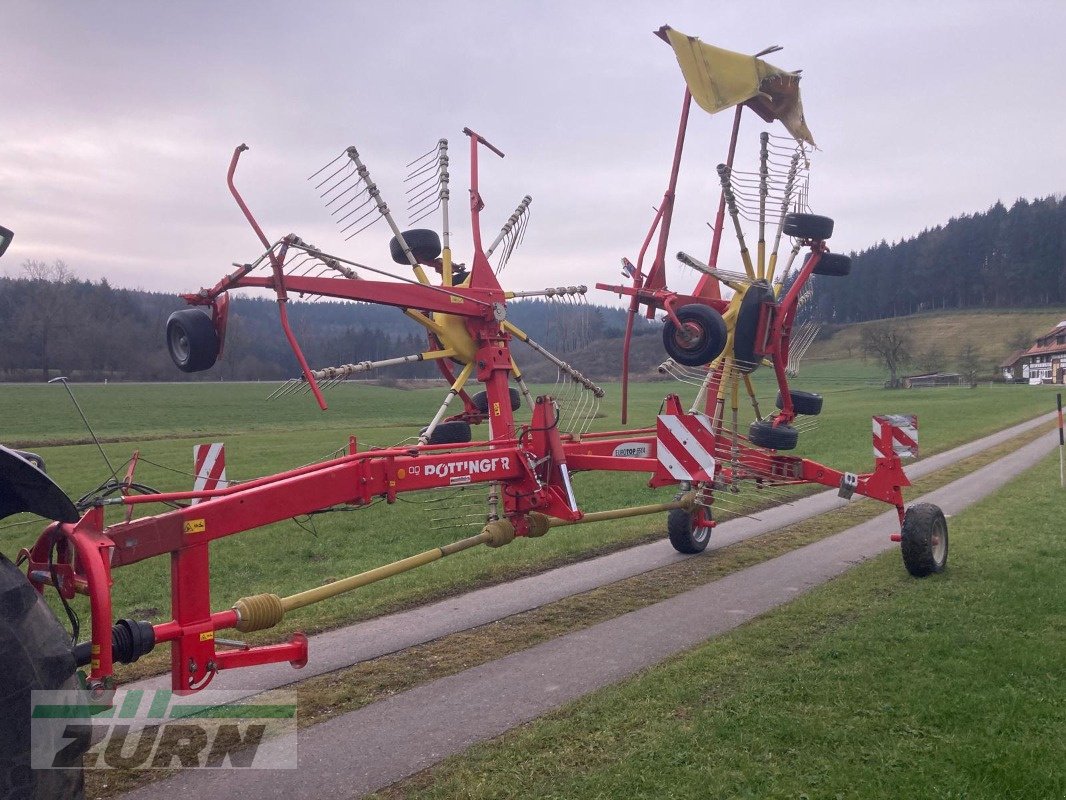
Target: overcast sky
x,y
119,120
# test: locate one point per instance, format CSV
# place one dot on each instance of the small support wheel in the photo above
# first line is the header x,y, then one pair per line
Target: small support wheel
x,y
481,401
700,339
455,432
808,226
807,403
924,540
684,536
424,244
192,340
763,433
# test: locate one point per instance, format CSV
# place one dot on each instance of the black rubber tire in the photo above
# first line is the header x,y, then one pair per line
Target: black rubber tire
x,y
683,536
747,326
424,244
808,226
807,403
481,401
709,330
455,432
192,340
762,433
924,542
835,265
34,654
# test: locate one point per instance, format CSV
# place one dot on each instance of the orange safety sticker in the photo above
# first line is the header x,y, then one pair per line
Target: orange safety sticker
x,y
195,526
495,409
207,636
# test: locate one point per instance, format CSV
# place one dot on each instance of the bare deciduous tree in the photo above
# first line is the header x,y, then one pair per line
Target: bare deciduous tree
x,y
891,344
969,361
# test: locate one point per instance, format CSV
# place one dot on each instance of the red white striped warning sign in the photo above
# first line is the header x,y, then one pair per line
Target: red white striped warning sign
x,y
209,464
896,435
684,444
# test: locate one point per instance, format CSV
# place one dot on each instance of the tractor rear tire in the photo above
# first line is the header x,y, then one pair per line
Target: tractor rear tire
x,y
835,265
455,432
424,244
747,326
808,226
807,403
924,542
192,340
35,653
706,329
762,433
481,401
685,537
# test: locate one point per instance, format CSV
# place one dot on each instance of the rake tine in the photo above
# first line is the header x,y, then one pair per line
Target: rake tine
x,y
354,210
277,392
358,220
330,164
355,185
328,179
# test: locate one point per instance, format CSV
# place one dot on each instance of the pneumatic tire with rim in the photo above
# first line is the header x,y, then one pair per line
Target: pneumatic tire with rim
x,y
701,338
683,535
481,401
455,432
424,244
764,433
835,265
192,340
748,324
34,654
807,403
924,540
808,226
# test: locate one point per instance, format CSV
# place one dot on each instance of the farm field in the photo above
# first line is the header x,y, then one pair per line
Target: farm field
x,y
163,421
875,685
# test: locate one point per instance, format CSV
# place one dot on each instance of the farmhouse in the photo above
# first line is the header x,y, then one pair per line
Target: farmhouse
x,y
1044,361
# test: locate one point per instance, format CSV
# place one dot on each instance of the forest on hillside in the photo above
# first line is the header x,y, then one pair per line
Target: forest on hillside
x,y
1002,258
55,324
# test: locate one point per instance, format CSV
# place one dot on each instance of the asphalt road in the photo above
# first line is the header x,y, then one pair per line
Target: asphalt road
x,y
382,743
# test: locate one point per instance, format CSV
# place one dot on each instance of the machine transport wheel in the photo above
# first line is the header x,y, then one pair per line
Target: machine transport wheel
x,y
456,432
763,434
481,401
424,244
192,340
924,541
807,403
832,264
685,537
700,339
808,226
747,326
34,654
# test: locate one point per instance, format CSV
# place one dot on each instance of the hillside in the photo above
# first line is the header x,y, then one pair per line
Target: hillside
x,y
993,333
1003,258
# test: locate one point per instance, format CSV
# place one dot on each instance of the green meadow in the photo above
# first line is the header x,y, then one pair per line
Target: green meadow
x,y
163,421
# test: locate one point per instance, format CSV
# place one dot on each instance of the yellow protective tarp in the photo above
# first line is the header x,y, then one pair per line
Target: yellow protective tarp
x,y
720,79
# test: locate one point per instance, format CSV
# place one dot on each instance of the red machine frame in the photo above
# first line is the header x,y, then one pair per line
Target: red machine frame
x,y
532,462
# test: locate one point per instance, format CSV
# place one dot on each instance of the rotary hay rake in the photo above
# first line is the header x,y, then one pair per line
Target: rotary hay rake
x,y
714,342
